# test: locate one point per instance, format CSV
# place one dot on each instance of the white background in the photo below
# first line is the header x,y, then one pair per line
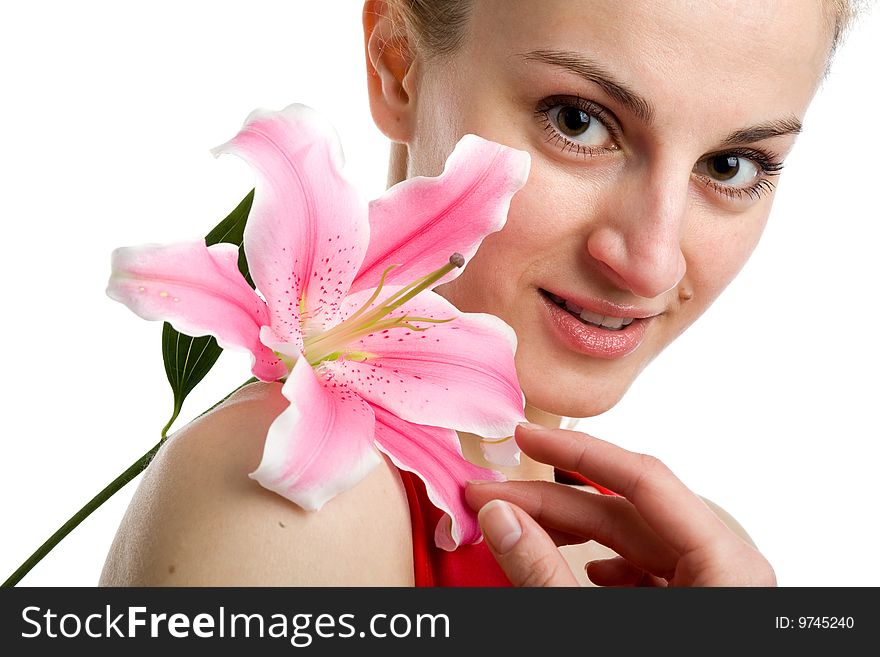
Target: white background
x,y
767,405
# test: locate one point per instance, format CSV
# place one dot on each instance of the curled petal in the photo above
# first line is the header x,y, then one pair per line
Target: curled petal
x,y
199,291
459,375
291,350
434,455
321,445
308,229
420,222
503,452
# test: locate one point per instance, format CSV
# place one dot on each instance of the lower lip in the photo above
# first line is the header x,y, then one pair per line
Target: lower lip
x,y
592,340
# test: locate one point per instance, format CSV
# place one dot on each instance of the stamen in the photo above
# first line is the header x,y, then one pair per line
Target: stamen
x,y
374,295
339,332
395,301
334,341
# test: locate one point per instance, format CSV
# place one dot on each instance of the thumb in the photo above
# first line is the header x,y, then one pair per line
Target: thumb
x,y
526,554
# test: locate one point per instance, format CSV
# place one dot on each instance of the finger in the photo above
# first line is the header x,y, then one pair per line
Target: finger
x,y
618,571
612,521
562,538
477,496
670,508
526,554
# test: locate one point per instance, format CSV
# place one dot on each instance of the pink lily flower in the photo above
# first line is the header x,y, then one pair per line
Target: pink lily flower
x,y
367,365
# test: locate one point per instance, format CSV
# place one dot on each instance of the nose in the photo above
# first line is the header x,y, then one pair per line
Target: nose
x,y
635,240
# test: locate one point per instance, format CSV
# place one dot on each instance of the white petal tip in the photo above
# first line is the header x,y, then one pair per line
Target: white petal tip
x,y
306,500
444,535
505,453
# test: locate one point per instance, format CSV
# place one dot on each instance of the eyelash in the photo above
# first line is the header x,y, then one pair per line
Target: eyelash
x,y
768,163
542,112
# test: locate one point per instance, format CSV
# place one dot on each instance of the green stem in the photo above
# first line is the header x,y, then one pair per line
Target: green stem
x,y
177,407
133,471
130,473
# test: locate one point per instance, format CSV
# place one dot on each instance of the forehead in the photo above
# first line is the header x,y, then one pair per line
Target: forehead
x,y
753,57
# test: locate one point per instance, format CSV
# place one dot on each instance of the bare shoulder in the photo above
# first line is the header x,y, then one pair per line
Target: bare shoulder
x,y
197,519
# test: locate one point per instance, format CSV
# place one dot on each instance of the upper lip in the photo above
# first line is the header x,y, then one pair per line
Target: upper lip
x,y
604,307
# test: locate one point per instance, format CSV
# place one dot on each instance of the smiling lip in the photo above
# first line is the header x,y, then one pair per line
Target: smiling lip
x,y
594,340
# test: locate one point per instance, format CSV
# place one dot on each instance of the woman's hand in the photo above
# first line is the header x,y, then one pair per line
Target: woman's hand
x,y
664,534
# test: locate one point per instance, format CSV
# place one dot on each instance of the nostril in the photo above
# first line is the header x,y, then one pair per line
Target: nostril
x,y
647,268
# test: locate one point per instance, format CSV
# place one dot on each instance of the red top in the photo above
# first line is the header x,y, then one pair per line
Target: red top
x,y
468,565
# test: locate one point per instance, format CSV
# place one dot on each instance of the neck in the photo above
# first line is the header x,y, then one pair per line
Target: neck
x,y
528,468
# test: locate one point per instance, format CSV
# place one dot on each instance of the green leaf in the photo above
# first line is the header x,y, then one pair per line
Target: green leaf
x,y
231,230
188,359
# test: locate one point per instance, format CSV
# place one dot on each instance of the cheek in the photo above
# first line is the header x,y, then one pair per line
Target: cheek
x,y
486,279
538,234
714,260
547,217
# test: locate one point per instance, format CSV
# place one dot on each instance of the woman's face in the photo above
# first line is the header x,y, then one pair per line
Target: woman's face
x,y
656,131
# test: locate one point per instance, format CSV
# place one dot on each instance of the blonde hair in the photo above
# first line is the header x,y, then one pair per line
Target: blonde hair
x,y
841,14
435,28
438,26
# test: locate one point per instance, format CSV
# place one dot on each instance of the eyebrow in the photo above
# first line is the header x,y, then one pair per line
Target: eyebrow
x,y
639,106
787,126
590,70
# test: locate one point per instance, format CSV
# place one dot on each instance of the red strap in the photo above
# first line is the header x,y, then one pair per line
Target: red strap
x,y
469,565
421,560
577,479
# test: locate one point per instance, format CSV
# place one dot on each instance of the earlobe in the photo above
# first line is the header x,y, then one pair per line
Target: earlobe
x,y
389,71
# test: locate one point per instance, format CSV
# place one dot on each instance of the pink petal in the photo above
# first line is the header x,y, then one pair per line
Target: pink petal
x,y
292,350
420,222
321,445
459,375
200,291
308,229
434,454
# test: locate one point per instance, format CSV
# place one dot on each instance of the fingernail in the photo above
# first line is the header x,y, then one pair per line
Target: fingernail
x,y
531,426
477,482
500,526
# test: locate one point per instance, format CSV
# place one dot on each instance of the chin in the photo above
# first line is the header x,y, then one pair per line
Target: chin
x,y
575,399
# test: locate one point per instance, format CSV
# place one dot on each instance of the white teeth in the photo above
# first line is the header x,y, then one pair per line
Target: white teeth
x,y
605,321
573,308
612,322
593,318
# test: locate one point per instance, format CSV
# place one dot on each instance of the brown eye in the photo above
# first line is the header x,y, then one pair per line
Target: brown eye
x,y
578,126
728,168
573,121
723,167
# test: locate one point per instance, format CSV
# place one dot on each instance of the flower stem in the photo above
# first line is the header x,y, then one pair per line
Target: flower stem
x,y
133,471
114,486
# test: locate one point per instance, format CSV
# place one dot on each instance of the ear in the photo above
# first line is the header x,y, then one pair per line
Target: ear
x,y
390,71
